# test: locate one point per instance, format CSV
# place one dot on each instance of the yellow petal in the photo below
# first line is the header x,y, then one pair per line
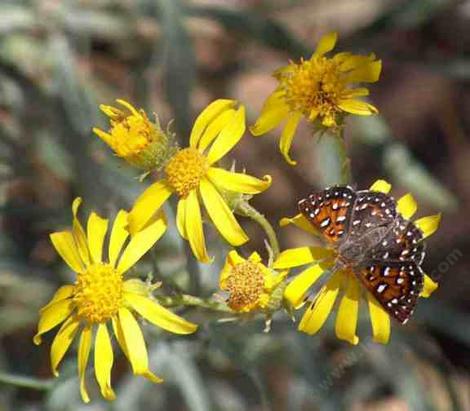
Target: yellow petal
x,y
287,136
355,92
233,258
407,206
428,225
273,112
429,287
62,342
106,137
348,311
211,112
358,107
62,293
79,233
214,128
318,312
118,237
221,215
299,221
159,316
147,204
136,286
135,345
64,243
193,228
296,290
141,243
238,182
380,321
294,257
228,137
180,218
104,361
326,44
349,61
381,186
365,73
254,257
96,230
82,359
117,329
129,106
52,316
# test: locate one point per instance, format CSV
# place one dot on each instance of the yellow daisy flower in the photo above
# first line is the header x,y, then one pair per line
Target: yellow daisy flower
x,y
133,137
318,89
251,285
192,175
319,260
101,295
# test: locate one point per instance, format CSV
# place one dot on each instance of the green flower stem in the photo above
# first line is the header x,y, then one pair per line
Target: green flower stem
x,y
246,210
345,162
192,301
26,382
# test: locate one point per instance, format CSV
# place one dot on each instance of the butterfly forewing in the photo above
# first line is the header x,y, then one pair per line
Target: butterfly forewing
x,y
329,211
372,209
395,285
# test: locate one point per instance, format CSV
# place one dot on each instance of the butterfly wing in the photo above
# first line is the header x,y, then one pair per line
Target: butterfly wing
x,y
403,242
372,209
329,211
395,285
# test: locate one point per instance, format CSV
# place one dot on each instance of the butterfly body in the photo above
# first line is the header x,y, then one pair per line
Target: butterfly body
x,y
372,240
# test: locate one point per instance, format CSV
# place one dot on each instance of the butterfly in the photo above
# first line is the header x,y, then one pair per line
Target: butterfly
x,y
371,239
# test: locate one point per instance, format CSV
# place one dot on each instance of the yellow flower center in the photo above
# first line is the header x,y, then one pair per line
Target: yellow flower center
x,y
185,170
135,138
245,285
131,134
98,293
314,88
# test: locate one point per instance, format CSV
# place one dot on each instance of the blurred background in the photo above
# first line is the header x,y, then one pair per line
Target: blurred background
x,y
60,59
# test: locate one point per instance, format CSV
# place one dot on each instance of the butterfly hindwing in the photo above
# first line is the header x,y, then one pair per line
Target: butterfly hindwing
x,y
395,285
403,242
329,211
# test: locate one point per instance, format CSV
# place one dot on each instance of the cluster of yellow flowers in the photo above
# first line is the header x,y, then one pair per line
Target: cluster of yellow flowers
x,y
318,89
